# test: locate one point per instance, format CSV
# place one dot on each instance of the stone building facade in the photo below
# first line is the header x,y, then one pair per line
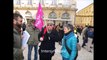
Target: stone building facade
x,y
58,11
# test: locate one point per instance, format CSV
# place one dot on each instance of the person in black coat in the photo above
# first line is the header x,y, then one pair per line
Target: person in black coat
x,y
47,36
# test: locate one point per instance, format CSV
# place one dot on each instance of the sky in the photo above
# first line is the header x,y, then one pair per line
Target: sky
x,y
83,3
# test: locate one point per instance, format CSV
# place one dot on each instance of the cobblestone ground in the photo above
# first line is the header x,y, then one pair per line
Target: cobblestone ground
x,y
83,54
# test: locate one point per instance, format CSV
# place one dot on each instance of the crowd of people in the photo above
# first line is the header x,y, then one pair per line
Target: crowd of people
x,y
66,35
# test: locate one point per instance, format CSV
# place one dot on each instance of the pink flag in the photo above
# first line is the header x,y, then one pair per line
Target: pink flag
x,y
39,18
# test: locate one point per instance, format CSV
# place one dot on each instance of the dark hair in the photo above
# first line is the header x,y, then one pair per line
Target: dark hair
x,y
69,26
16,15
24,26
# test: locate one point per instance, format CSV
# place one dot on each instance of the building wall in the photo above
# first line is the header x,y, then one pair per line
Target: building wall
x,y
85,20
22,8
85,16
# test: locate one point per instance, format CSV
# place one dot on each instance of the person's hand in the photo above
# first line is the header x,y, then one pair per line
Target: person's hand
x,y
23,48
41,39
22,36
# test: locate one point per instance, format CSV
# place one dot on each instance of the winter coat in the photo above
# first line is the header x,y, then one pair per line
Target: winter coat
x,y
90,33
84,33
17,51
33,39
48,42
71,42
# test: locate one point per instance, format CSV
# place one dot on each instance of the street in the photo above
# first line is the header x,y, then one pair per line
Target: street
x,y
83,54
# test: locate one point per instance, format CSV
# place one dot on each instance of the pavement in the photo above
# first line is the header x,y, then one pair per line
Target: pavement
x,y
83,54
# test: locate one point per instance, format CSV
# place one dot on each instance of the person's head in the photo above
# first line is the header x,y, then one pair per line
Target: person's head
x,y
50,25
68,28
17,20
24,26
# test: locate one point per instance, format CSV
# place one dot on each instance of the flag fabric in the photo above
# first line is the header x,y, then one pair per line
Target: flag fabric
x,y
44,32
39,18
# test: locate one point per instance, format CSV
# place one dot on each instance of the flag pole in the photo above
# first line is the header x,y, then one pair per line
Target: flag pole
x,y
39,1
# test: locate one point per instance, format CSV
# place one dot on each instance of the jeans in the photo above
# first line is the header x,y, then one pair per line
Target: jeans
x,y
89,43
30,50
85,40
65,58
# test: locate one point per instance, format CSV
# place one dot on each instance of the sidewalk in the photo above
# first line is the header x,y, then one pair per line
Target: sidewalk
x,y
83,54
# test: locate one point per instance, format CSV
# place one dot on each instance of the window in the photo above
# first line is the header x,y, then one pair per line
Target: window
x,y
36,1
29,2
48,2
60,2
65,16
67,3
28,15
52,15
18,2
54,2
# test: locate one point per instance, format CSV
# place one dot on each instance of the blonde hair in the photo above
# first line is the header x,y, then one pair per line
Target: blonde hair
x,y
50,22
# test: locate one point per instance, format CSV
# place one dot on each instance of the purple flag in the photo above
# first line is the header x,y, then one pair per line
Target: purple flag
x,y
39,18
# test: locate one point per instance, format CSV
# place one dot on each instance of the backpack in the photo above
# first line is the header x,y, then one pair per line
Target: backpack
x,y
90,33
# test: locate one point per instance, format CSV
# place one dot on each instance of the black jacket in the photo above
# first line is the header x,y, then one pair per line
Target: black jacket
x,y
48,42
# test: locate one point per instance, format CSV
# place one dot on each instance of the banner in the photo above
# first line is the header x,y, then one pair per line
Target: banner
x,y
39,18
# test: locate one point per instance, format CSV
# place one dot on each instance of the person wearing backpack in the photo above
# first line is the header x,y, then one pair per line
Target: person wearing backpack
x,y
69,43
90,35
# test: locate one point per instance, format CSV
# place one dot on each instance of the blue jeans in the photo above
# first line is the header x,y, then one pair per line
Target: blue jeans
x,y
30,50
65,58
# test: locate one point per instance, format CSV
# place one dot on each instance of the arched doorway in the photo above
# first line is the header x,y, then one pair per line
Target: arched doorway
x,y
28,16
52,15
65,16
17,12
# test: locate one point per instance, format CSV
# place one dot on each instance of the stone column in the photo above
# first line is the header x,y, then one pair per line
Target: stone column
x,y
74,9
